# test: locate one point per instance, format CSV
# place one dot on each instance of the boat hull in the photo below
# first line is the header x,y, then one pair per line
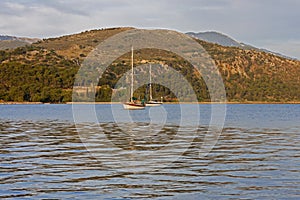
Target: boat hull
x,y
153,103
133,106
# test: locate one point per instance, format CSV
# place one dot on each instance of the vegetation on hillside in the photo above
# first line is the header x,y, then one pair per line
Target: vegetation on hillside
x,y
45,71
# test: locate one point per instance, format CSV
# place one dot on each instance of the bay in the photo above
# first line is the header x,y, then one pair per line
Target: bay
x,y
45,154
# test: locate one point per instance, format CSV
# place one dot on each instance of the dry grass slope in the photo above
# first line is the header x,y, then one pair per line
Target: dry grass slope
x,y
249,75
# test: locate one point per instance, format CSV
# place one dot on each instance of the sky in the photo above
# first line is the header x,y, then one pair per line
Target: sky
x,y
270,24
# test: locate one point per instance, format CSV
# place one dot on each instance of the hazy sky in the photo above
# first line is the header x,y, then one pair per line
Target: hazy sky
x,y
271,24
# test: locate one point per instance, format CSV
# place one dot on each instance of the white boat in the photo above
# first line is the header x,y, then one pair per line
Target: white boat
x,y
132,105
152,102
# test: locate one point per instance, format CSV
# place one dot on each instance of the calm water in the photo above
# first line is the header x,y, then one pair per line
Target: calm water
x,y
44,155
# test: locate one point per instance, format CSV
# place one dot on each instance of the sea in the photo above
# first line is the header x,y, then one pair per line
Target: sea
x,y
174,151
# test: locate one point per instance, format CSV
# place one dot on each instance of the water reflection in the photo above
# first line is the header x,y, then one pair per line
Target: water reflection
x,y
48,160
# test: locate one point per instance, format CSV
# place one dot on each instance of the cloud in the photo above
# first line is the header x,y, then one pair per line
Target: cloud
x,y
247,21
41,19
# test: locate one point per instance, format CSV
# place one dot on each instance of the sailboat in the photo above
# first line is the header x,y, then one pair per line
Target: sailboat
x,y
152,102
132,105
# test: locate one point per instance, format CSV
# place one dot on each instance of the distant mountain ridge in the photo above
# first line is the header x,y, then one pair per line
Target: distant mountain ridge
x,y
11,42
215,37
23,39
7,37
224,40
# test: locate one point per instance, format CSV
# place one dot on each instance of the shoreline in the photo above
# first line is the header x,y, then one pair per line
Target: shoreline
x,y
20,103
109,103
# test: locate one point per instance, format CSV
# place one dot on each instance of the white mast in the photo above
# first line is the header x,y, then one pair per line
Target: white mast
x,y
150,86
131,89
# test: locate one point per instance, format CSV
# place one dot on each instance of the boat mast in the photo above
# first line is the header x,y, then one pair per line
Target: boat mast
x,y
150,86
131,89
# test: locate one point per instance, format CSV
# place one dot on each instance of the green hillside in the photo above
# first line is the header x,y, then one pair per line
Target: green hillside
x,y
44,71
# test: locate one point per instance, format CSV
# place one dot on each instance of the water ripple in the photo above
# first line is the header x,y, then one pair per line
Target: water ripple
x,y
48,160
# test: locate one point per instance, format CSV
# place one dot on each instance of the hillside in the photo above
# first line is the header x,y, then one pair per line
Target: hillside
x,y
44,71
